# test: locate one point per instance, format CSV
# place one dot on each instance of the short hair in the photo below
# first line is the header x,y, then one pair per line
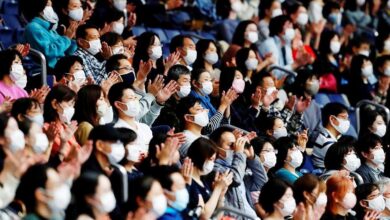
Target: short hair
x,y
276,25
382,184
184,105
282,145
114,15
329,7
241,57
31,9
337,186
262,77
177,42
115,94
334,157
380,62
104,133
176,70
362,192
64,64
366,143
144,185
195,73
81,31
238,36
368,118
332,108
164,175
216,135
61,93
259,142
291,6
85,106
271,193
200,150
127,135
7,57
113,62
111,38
305,183
84,186
22,105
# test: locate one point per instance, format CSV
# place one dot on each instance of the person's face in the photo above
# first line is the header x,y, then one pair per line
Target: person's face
x,y
294,16
342,116
118,46
60,106
266,148
312,196
155,191
188,44
17,60
212,48
128,95
103,187
366,63
351,152
92,34
278,124
238,75
373,195
364,47
335,39
286,26
378,121
275,5
197,108
74,4
34,111
204,77
124,67
252,55
227,140
156,43
370,154
386,192
184,79
178,182
268,82
250,28
101,100
74,68
287,196
289,152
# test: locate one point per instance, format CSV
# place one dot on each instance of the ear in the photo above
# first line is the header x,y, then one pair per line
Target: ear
x,y
83,43
120,105
333,120
189,117
40,195
366,155
308,197
90,200
170,196
65,11
269,132
363,203
20,117
100,146
54,104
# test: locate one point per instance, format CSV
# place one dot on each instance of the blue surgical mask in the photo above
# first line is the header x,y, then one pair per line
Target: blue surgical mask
x,y
182,199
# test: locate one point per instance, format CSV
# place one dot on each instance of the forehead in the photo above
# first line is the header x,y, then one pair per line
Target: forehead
x,y
92,32
124,62
188,41
228,136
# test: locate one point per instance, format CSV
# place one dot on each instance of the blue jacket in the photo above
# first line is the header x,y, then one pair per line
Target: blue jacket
x,y
54,46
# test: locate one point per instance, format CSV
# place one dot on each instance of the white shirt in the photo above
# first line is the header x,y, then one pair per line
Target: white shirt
x,y
144,134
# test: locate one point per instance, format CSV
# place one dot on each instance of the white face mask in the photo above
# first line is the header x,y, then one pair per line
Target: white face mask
x,y
352,162
252,37
159,205
288,207
387,71
102,109
201,119
387,201
211,58
21,82
118,50
335,47
16,140
182,199
67,114
269,159
184,91
302,19
296,158
120,5
360,2
251,63
207,87
379,156
208,166
381,130
280,132
365,53
271,90
108,117
349,201
18,76
41,143
79,77
190,57
156,53
76,14
60,198
117,153
107,202
118,28
237,6
133,108
37,119
276,12
387,45
367,71
94,46
377,204
50,15
343,126
315,12
322,199
289,34
133,153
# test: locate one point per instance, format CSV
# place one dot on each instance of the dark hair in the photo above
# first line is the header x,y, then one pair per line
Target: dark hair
x,y
380,62
276,25
60,93
217,134
299,86
329,7
366,143
177,42
81,31
271,193
268,124
305,183
184,106
358,41
111,38
291,6
326,38
334,109
239,33
225,82
351,5
114,15
7,57
144,41
22,105
201,47
64,64
265,5
334,157
223,8
368,118
144,185
4,118
127,135
164,175
200,150
241,56
282,145
356,67
31,9
175,71
116,94
113,62
259,142
25,126
362,192
85,106
34,179
195,74
262,77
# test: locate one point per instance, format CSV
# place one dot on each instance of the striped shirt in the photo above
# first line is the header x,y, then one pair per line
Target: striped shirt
x,y
324,140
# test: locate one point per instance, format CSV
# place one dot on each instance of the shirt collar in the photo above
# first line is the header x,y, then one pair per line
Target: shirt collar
x,y
331,135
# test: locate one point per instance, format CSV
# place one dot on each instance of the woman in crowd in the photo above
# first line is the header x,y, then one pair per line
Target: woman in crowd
x,y
208,56
70,71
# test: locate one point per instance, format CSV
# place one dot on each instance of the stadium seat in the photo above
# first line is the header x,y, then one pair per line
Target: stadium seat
x,y
6,36
339,98
10,7
171,33
322,99
165,49
11,21
207,35
161,34
138,30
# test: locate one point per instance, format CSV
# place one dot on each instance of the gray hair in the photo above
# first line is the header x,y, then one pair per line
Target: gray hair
x,y
382,183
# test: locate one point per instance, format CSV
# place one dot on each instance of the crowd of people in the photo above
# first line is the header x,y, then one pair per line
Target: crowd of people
x,y
223,128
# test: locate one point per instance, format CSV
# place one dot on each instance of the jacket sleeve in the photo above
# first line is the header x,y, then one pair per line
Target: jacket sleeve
x,y
259,176
238,168
151,115
146,102
8,186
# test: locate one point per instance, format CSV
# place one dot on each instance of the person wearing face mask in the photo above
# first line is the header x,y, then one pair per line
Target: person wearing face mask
x,y
58,111
202,153
115,42
369,200
297,13
362,79
289,158
268,10
43,193
235,155
354,11
208,56
384,188
185,46
279,45
373,157
40,31
335,122
86,116
332,13
13,77
126,107
69,12
382,67
27,108
70,72
307,190
94,198
372,122
105,9
246,34
36,140
277,200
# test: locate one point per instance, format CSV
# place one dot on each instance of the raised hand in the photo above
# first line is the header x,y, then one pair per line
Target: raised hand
x,y
302,104
85,152
268,99
187,170
18,163
291,102
239,146
155,86
256,98
112,79
70,32
229,97
23,49
166,151
6,106
52,131
106,51
302,139
168,90
170,61
40,94
180,136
